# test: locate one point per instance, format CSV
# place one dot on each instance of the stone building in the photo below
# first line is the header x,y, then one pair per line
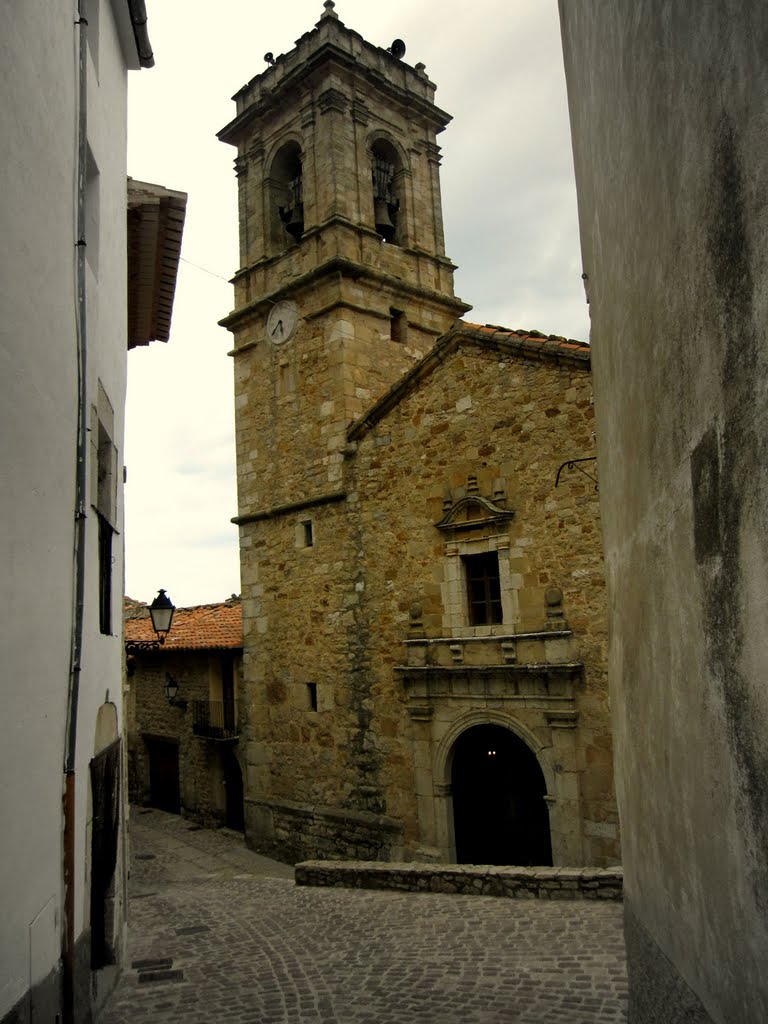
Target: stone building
x,y
668,115
183,713
423,608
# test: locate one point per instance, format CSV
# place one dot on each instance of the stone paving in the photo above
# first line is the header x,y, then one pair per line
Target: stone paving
x,y
229,937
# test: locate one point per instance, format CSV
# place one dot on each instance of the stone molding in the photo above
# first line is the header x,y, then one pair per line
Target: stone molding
x,y
491,514
348,268
293,506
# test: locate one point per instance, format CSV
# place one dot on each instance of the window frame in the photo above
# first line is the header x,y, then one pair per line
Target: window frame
x,y
482,576
456,614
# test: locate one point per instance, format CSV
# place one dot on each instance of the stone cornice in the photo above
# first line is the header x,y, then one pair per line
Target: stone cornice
x,y
293,506
491,514
347,268
293,72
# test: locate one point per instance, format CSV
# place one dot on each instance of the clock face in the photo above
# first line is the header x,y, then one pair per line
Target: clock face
x,y
281,322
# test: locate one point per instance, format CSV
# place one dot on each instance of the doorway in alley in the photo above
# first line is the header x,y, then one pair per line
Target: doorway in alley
x,y
163,773
500,815
233,782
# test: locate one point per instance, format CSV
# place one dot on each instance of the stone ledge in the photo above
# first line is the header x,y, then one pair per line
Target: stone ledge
x,y
467,880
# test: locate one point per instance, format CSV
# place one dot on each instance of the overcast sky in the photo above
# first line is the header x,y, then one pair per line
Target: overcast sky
x,y
509,209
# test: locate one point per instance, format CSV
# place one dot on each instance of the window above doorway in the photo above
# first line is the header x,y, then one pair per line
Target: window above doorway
x,y
481,573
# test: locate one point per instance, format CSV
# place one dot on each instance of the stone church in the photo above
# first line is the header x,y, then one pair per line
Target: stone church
x,y
424,614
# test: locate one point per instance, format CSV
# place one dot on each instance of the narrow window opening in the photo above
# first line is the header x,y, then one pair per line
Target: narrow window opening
x,y
312,696
483,588
309,538
105,575
397,325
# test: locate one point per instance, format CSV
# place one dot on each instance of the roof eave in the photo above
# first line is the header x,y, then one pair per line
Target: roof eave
x,y
155,228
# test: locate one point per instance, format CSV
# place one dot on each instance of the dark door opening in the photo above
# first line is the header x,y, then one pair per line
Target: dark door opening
x,y
499,812
105,830
233,781
164,774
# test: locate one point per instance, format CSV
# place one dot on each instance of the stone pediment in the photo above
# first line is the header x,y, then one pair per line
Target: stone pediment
x,y
473,512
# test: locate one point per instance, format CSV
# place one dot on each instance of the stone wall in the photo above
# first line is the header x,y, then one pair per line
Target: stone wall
x,y
474,880
289,831
333,617
151,716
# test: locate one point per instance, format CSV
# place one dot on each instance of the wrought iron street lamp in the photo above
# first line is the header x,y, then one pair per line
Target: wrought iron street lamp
x,y
161,612
171,689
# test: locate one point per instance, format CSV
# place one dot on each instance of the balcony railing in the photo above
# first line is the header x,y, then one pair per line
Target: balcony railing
x,y
214,719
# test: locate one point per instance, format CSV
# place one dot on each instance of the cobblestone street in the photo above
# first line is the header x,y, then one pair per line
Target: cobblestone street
x,y
219,934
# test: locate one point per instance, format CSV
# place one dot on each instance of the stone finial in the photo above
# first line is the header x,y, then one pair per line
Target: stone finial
x,y
472,487
329,11
416,620
553,600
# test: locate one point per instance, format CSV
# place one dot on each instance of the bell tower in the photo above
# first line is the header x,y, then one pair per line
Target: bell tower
x,y
344,282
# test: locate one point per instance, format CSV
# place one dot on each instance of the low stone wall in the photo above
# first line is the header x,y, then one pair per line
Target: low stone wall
x,y
291,833
469,880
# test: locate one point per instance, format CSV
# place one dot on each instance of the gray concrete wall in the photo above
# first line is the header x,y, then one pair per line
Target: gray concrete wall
x,y
670,136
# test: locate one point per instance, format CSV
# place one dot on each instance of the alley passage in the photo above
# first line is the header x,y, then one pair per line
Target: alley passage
x,y
220,934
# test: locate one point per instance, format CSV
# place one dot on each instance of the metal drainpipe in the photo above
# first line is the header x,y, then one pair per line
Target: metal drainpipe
x,y
70,750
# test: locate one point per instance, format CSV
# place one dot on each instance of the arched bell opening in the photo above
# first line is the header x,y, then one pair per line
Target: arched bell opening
x,y
499,808
286,195
386,176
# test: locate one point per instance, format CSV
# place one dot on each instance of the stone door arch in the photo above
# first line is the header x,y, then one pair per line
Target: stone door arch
x,y
551,749
498,793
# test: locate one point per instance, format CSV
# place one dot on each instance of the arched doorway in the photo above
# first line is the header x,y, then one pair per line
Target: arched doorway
x,y
500,815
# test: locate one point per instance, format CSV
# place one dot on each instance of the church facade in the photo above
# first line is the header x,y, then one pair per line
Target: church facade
x,y
424,620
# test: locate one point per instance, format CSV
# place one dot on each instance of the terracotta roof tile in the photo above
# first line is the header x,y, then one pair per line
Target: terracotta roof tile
x,y
560,341
202,627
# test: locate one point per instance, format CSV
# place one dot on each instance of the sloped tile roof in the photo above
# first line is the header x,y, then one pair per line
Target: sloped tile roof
x,y
518,344
202,627
550,343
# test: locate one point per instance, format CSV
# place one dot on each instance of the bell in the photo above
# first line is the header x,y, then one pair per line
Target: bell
x,y
293,219
383,219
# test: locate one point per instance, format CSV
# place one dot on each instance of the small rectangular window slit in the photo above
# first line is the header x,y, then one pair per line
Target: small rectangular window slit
x,y
398,325
309,539
312,696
